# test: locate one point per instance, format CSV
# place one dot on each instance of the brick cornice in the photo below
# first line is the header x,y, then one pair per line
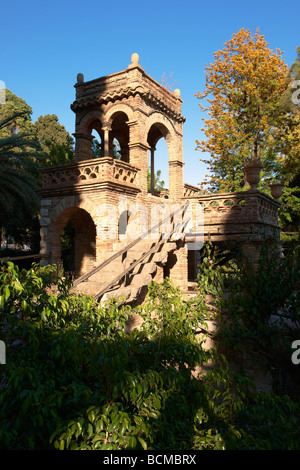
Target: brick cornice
x,y
125,92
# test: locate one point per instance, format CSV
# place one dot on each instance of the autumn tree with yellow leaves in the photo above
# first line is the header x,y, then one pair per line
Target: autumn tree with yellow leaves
x,y
245,87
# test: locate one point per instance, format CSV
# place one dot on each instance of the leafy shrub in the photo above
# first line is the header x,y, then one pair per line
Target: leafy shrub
x,y
261,315
75,379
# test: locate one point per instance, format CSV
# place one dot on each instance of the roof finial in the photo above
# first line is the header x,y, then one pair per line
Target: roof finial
x,y
134,60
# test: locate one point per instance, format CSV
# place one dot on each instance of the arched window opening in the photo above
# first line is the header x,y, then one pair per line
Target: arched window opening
x,y
116,151
77,233
97,143
119,137
158,166
68,248
123,223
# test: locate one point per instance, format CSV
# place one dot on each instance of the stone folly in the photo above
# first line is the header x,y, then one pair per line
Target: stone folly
x,y
132,110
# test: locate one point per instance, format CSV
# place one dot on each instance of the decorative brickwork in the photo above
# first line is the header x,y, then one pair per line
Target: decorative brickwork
x,y
99,195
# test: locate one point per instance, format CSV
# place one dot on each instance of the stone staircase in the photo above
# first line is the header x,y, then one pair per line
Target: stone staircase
x,y
129,268
125,276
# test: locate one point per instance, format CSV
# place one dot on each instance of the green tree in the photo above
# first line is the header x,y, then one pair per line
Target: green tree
x,y
19,114
244,89
288,141
56,142
19,178
159,184
97,150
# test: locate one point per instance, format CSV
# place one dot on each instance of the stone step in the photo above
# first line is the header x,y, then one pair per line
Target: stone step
x,y
88,288
149,267
141,275
160,257
123,294
142,279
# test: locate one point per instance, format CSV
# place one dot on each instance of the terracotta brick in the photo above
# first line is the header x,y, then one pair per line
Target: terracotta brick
x,y
133,108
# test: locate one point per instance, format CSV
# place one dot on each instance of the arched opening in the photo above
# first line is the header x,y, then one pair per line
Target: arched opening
x,y
123,223
119,136
68,248
158,166
97,144
116,150
76,243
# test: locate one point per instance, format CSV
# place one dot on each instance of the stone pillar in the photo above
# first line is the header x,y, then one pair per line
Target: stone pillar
x,y
106,129
152,150
138,154
45,250
176,179
179,270
83,146
251,252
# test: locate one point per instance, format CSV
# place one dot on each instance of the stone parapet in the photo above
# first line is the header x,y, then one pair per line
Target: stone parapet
x,y
240,216
88,173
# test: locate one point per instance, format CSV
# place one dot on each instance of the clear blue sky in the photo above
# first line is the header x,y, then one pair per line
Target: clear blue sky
x,y
45,44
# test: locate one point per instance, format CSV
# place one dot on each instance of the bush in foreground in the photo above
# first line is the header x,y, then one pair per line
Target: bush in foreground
x,y
75,379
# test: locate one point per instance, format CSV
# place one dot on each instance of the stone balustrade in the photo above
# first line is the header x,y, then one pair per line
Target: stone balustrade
x,y
88,172
241,216
190,190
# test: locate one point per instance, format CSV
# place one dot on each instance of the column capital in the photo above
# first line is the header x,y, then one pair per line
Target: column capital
x,y
106,126
141,145
176,163
81,135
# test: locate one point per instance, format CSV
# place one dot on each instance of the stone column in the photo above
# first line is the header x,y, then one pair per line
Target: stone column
x,y
83,146
138,154
176,179
179,270
106,129
152,150
45,249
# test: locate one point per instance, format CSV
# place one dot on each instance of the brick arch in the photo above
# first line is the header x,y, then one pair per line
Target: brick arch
x,y
167,130
89,118
84,240
158,126
119,107
117,118
160,119
72,201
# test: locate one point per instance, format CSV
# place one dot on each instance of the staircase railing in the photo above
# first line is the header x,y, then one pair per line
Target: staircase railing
x,y
152,250
125,249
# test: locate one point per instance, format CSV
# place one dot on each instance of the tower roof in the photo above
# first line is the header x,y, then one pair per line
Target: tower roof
x,y
124,84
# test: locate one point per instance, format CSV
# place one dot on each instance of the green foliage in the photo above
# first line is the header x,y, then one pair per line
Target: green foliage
x,y
24,148
261,316
158,182
55,141
19,177
289,212
76,379
97,149
271,289
21,112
